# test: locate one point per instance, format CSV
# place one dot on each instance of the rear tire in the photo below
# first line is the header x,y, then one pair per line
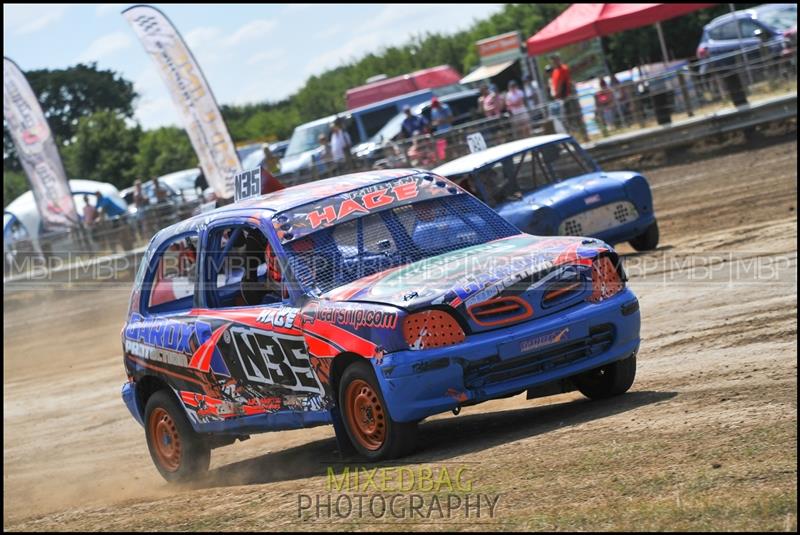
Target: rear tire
x,y
609,380
366,419
648,240
180,455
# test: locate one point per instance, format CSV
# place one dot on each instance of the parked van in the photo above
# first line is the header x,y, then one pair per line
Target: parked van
x,y
463,104
387,88
361,123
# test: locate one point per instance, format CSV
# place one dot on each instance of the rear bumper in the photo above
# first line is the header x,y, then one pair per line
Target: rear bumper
x,y
129,397
417,384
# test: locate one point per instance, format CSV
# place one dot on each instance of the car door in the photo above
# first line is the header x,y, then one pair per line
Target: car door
x,y
160,339
254,353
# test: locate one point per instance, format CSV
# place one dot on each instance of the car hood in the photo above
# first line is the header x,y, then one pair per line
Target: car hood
x,y
584,186
471,275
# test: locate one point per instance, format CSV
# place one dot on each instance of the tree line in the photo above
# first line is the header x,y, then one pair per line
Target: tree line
x,y
91,111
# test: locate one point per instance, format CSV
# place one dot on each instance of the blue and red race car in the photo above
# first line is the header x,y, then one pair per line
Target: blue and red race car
x,y
368,301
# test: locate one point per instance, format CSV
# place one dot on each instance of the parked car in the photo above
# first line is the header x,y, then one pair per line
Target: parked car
x,y
24,214
549,186
247,151
463,104
183,183
367,301
304,144
772,25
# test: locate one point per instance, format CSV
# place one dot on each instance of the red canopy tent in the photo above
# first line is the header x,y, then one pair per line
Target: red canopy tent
x,y
580,22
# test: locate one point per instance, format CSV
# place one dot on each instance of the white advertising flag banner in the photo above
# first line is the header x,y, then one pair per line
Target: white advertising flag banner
x,y
201,116
37,150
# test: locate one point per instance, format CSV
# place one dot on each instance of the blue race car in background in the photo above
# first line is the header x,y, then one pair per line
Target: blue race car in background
x,y
548,185
368,301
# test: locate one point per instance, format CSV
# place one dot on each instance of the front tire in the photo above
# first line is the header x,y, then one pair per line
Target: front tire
x,y
371,430
179,454
648,240
609,380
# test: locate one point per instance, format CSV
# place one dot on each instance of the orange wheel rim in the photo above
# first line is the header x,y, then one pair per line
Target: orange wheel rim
x,y
365,415
166,440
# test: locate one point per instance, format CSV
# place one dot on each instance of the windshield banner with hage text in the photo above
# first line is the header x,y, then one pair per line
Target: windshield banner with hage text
x,y
192,95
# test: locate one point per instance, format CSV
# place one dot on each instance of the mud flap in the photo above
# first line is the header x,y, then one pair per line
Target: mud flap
x,y
551,389
342,440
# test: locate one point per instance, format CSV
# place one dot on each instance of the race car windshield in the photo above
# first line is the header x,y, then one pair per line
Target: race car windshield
x,y
508,178
349,251
780,17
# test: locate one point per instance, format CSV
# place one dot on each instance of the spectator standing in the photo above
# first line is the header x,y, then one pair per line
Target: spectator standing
x,y
322,159
604,106
487,102
89,212
413,123
159,191
622,95
548,73
341,144
563,90
515,99
109,210
200,183
515,104
270,162
108,207
532,98
140,201
268,181
560,79
421,153
441,116
531,91
500,99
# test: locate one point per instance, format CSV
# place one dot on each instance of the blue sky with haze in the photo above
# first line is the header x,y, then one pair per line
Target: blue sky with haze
x,y
249,53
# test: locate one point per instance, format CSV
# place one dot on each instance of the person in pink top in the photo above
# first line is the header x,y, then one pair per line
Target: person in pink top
x,y
488,103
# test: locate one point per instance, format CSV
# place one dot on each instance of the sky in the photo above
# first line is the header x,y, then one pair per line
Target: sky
x,y
249,53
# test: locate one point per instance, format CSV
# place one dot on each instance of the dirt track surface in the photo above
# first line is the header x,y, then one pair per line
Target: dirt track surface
x,y
706,439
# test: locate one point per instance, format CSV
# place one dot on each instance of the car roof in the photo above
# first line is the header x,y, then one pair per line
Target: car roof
x,y
740,14
301,194
316,122
444,99
288,198
476,160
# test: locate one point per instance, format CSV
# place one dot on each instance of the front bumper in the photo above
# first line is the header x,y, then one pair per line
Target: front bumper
x,y
627,231
417,384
